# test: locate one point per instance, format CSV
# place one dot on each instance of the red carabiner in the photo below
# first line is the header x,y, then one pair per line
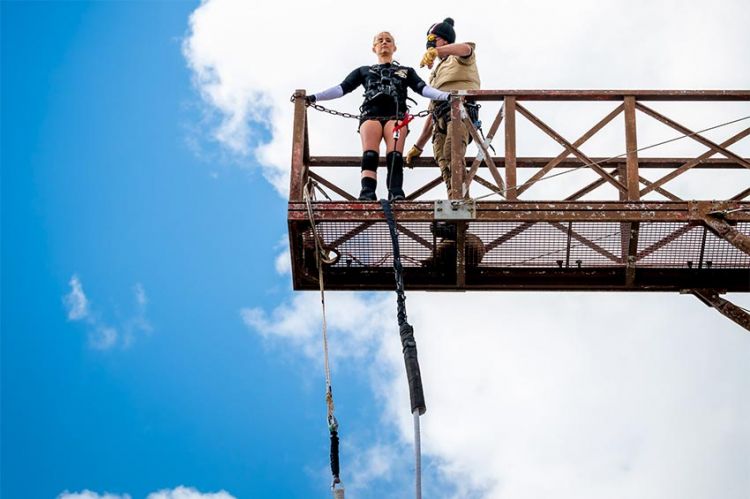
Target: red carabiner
x,y
407,118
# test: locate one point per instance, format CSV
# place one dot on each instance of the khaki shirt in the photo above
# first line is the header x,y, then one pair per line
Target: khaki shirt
x,y
456,73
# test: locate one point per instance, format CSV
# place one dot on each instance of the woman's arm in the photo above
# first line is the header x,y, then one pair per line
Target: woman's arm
x,y
418,85
328,94
434,93
352,81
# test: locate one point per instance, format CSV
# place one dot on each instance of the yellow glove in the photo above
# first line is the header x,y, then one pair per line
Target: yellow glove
x,y
414,152
428,58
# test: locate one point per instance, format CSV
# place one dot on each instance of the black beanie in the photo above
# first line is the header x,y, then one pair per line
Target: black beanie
x,y
444,30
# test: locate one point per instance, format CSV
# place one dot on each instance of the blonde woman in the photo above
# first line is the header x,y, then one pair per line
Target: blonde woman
x,y
386,84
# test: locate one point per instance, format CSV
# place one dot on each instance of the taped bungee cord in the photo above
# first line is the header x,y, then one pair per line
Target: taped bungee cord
x,y
409,347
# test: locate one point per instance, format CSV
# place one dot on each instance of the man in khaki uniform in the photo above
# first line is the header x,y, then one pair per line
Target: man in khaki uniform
x,y
456,70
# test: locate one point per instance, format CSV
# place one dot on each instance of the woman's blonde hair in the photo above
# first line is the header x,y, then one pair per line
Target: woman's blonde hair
x,y
374,38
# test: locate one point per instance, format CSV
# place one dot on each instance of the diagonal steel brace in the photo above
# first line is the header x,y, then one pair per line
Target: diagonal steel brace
x,y
711,298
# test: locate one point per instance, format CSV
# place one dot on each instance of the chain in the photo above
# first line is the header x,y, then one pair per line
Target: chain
x,y
333,112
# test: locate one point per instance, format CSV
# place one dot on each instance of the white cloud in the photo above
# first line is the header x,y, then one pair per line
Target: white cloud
x,y
183,492
350,322
87,494
101,334
76,302
180,492
283,263
103,337
140,295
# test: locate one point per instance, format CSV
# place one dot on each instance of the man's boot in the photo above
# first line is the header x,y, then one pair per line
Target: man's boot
x,y
395,163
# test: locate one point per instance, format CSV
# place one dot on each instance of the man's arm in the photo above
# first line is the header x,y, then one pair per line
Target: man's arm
x,y
462,50
457,49
418,147
426,133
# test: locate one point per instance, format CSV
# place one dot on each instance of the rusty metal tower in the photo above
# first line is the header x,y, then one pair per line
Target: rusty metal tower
x,y
582,242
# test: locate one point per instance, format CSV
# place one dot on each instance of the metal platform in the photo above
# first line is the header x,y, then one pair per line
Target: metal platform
x,y
528,246
590,240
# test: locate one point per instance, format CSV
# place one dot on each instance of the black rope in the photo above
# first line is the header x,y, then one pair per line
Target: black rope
x,y
406,331
335,471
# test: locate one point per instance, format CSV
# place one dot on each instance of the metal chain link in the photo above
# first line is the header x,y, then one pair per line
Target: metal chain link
x,y
333,112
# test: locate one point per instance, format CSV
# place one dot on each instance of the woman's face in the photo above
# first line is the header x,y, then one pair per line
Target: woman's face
x,y
383,44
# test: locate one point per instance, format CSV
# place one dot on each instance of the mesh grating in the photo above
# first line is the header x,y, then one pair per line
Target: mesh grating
x,y
368,244
537,245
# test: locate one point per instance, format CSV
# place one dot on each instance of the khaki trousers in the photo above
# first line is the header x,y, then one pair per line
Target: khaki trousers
x,y
441,148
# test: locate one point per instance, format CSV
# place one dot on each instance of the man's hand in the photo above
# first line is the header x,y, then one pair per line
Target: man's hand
x,y
414,152
428,58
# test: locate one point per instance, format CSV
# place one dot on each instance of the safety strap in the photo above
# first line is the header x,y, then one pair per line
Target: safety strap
x,y
409,346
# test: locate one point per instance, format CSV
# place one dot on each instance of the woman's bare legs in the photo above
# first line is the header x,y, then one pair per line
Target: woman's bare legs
x,y
371,133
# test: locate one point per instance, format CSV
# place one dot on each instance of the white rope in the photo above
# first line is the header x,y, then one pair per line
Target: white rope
x,y
320,259
598,163
417,456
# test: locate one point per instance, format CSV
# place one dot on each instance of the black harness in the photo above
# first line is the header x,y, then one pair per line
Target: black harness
x,y
386,89
442,114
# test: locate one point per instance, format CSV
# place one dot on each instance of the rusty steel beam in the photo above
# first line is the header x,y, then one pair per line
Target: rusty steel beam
x,y
586,241
722,229
570,147
672,236
742,195
490,135
537,162
414,236
576,195
563,155
520,279
487,158
352,233
661,190
461,255
338,190
456,166
511,107
299,144
488,184
693,135
616,95
693,163
728,309
425,188
631,148
508,236
532,211
631,178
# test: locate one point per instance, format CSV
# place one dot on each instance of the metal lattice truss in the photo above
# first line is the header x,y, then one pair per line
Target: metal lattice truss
x,y
580,241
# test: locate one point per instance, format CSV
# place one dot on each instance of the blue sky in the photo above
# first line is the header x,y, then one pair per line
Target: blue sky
x,y
150,341
101,180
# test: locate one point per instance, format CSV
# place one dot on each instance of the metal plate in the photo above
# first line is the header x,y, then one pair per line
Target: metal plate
x,y
455,209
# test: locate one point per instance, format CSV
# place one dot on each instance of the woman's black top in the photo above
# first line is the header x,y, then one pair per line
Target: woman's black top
x,y
385,88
